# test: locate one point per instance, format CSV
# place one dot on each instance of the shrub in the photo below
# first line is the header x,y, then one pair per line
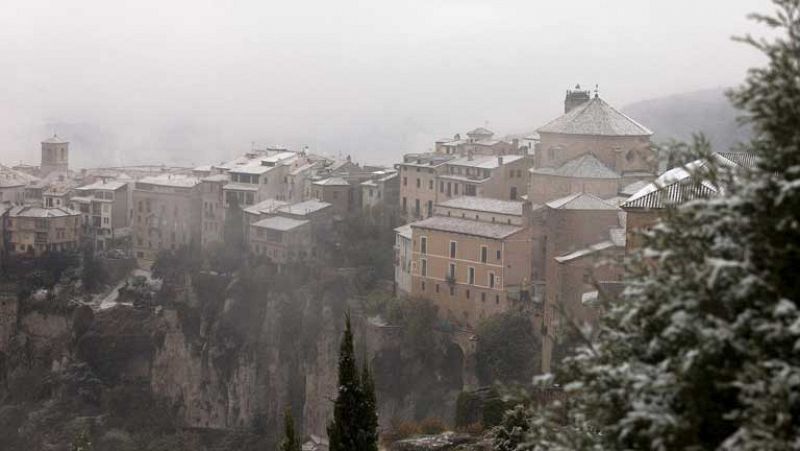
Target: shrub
x,y
432,425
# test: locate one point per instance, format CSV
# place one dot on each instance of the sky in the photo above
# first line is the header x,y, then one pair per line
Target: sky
x,y
191,82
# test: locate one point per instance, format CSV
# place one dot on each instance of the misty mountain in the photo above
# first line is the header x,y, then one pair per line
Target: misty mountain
x,y
679,116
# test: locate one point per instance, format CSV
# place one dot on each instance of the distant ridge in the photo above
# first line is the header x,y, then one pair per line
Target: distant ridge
x,y
678,116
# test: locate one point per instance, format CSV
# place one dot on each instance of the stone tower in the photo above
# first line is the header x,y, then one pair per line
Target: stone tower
x,y
55,155
575,98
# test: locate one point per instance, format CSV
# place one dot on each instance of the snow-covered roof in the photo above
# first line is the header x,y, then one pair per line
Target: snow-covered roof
x,y
631,189
332,181
678,185
216,178
484,161
109,185
27,211
581,201
240,187
467,227
596,118
588,250
10,178
505,207
280,223
171,180
583,166
304,208
265,206
480,131
55,140
404,231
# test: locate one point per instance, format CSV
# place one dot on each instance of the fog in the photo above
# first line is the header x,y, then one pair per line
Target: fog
x,y
187,82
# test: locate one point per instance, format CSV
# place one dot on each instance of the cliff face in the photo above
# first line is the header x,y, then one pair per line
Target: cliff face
x,y
214,366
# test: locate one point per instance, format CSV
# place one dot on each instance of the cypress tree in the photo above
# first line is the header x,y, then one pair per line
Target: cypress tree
x,y
290,440
345,429
369,415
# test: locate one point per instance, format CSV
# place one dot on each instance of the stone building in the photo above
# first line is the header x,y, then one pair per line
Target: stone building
x,y
259,211
479,141
166,214
589,148
105,212
469,266
568,234
36,230
338,192
383,190
55,156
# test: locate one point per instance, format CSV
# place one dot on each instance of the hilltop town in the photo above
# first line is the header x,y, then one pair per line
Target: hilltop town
x,y
478,228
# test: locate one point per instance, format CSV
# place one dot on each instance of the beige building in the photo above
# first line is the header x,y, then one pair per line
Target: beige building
x,y
282,239
105,212
36,230
499,177
166,214
259,211
472,268
418,178
338,192
479,141
12,185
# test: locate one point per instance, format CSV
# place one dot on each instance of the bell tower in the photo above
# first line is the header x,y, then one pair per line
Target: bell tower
x,y
55,155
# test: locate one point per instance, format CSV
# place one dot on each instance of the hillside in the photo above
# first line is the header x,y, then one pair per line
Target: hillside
x,y
678,116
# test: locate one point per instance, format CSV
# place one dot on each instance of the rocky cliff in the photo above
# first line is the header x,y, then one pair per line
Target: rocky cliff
x,y
212,366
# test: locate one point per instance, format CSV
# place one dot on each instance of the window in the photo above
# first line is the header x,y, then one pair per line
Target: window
x,y
405,208
471,273
405,181
423,245
430,208
498,254
423,285
483,297
513,194
467,294
452,290
453,249
455,185
470,190
437,287
424,267
430,184
497,299
484,253
451,272
491,280
416,207
441,187
419,182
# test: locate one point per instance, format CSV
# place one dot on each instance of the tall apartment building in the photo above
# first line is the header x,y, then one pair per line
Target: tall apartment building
x,y
166,214
257,177
213,208
36,230
105,212
418,176
472,259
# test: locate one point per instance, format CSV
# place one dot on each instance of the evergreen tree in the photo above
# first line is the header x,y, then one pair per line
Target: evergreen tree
x,y
369,415
703,350
82,442
346,431
290,440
